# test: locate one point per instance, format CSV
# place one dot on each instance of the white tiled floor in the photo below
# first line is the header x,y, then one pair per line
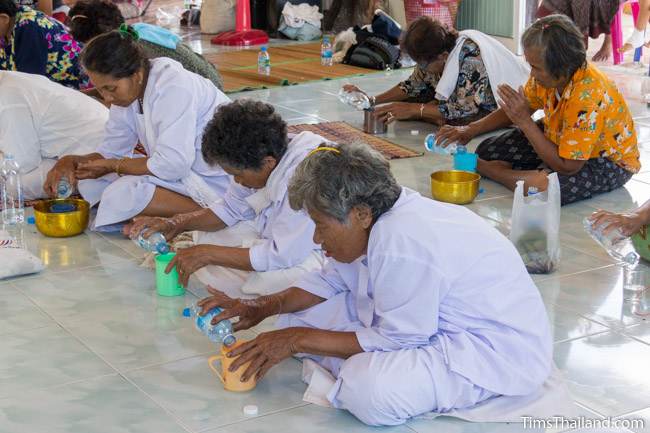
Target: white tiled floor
x,y
87,346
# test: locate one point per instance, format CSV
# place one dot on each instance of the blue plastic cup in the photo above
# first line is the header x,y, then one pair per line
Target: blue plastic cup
x,y
465,161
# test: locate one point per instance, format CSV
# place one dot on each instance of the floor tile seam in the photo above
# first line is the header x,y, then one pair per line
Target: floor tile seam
x,y
176,418
274,412
171,361
572,339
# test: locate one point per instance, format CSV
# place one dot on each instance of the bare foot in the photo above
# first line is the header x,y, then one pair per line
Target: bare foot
x,y
605,51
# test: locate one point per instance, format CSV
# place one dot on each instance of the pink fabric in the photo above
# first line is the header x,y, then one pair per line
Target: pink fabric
x,y
441,10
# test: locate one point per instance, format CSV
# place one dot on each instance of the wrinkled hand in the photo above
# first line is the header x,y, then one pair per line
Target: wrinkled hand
x,y
250,311
389,113
629,224
267,350
167,226
514,104
190,260
454,134
95,169
64,167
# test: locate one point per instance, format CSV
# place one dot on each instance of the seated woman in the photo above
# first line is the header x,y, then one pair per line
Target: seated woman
x,y
454,76
252,242
36,44
399,303
165,108
90,18
588,134
41,121
593,18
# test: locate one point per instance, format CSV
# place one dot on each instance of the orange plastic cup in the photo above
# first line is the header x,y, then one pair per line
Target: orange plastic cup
x,y
231,380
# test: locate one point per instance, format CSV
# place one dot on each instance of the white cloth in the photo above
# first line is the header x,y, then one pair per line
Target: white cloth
x,y
244,284
280,240
501,65
297,15
442,299
177,106
551,399
41,121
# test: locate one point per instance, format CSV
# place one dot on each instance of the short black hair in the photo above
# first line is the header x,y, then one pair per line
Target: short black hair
x,y
242,133
561,43
8,7
426,38
90,18
114,53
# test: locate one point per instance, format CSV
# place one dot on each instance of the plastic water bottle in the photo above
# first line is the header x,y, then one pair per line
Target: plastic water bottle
x,y
13,208
264,62
358,100
326,52
219,333
156,243
63,188
617,245
431,146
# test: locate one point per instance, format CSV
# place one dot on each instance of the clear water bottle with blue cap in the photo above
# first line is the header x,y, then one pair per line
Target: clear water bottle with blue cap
x,y
326,52
64,188
155,243
617,245
220,333
264,62
431,145
13,207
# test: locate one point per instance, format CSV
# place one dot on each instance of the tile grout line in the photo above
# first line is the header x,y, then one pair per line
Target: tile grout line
x,y
110,365
275,412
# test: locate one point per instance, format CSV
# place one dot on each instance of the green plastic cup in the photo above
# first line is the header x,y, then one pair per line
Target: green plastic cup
x,y
167,284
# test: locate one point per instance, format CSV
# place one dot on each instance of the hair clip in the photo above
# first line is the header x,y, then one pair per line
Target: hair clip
x,y
78,16
325,149
126,30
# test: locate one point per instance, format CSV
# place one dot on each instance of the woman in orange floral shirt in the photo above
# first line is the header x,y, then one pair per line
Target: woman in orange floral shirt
x,y
587,135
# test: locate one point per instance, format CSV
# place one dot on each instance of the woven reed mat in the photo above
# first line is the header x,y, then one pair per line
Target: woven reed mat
x,y
342,132
290,64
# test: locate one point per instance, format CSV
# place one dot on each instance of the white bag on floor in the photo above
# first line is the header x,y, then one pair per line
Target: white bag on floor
x,y
15,259
217,16
535,229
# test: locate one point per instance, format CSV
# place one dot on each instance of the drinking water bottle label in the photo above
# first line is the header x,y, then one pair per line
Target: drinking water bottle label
x,y
63,188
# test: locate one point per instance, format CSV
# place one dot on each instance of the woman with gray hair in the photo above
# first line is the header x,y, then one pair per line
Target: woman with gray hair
x,y
587,135
400,301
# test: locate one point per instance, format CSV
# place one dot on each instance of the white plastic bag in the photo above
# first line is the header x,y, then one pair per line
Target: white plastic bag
x,y
15,259
535,229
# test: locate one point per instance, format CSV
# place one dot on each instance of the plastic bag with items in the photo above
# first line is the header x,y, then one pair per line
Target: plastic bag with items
x,y
15,259
535,228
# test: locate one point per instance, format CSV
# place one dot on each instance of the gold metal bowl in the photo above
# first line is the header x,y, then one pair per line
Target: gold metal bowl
x,y
61,225
455,186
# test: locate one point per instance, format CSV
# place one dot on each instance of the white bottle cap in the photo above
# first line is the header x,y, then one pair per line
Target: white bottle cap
x,y
250,410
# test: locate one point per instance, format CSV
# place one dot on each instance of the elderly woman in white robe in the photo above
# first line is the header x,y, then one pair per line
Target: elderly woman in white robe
x,y
421,307
42,121
163,107
252,242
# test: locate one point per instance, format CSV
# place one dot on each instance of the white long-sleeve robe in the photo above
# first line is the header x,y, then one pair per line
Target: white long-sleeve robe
x,y
177,105
280,240
443,308
41,121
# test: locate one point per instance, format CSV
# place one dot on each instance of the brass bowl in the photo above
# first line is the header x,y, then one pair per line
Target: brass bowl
x,y
454,186
61,225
